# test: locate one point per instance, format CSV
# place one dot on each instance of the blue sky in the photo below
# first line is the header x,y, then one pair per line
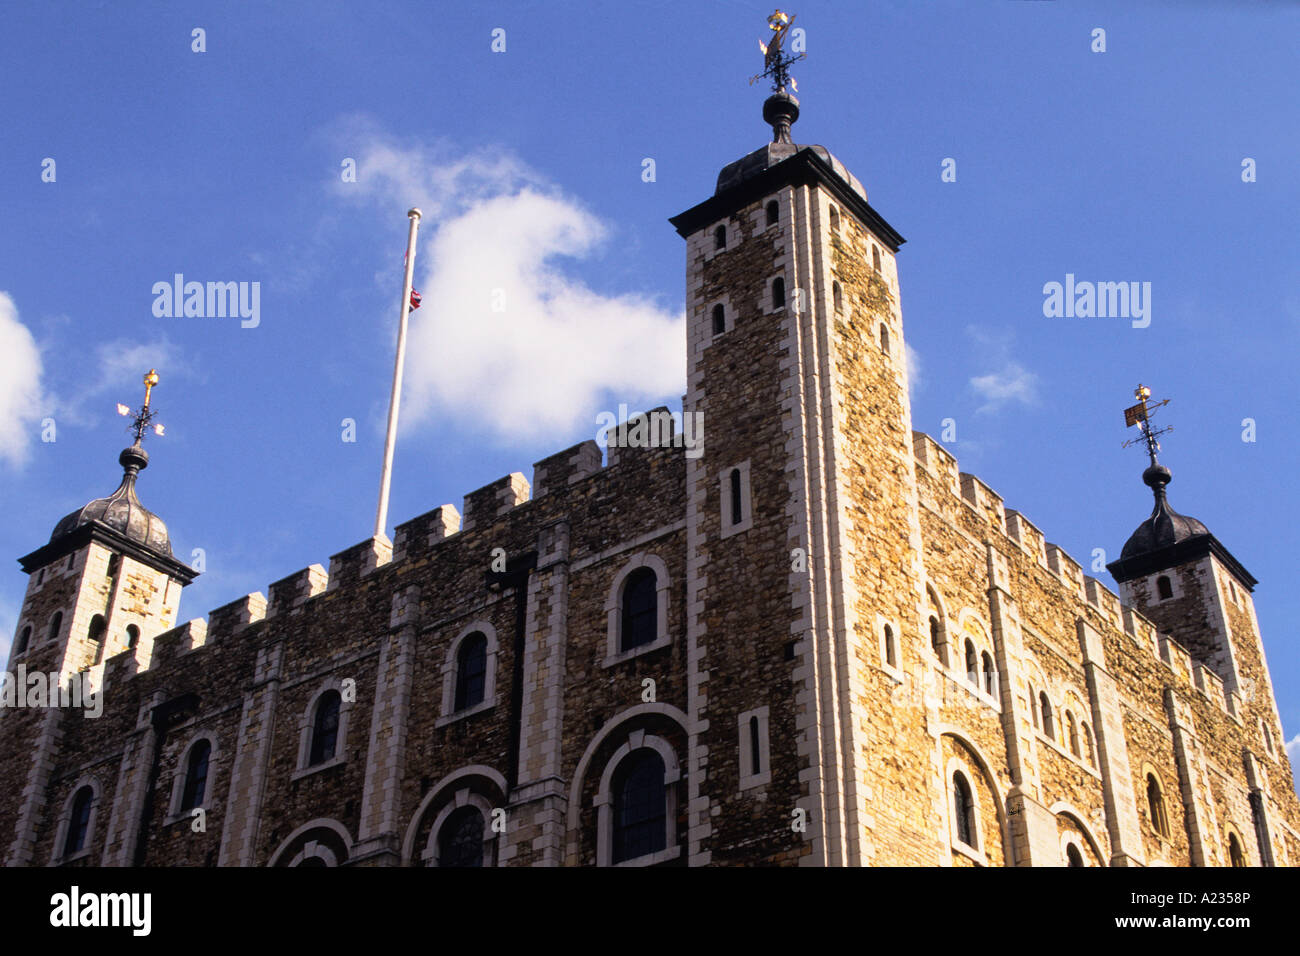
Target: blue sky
x,y
226,165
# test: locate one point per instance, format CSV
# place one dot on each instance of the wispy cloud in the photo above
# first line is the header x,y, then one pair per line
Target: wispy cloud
x,y
114,375
506,338
1008,382
21,399
1293,754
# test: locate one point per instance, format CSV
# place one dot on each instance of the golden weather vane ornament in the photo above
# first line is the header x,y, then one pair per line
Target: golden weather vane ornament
x,y
1140,415
143,419
776,62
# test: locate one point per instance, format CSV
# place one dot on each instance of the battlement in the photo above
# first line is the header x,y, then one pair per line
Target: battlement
x,y
566,467
419,535
291,592
488,503
229,619
983,501
352,564
656,428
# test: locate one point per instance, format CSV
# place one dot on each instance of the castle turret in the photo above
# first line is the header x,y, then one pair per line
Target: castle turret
x,y
105,583
1181,577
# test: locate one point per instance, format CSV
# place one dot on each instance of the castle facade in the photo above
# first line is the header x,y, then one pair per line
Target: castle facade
x,y
807,640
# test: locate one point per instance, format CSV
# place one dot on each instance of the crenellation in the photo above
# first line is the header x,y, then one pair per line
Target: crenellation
x,y
486,504
985,500
352,564
230,619
290,593
1066,568
567,467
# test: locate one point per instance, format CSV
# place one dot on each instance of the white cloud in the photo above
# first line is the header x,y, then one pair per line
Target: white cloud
x,y
115,375
1293,754
20,384
505,338
1009,381
913,359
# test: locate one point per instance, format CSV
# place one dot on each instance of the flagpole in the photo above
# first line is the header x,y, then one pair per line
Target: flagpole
x,y
381,516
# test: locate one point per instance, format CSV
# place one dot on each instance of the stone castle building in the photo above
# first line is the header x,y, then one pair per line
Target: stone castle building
x,y
810,641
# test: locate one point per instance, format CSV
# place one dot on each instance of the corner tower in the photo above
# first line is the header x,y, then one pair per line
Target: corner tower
x,y
105,583
1178,574
803,532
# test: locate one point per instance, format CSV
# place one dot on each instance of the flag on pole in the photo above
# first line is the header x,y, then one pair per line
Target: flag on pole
x,y
415,300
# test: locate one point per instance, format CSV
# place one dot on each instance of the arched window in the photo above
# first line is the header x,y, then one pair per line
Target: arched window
x,y
720,237
719,319
1156,804
755,750
471,670
1072,733
884,338
1164,588
640,609
1045,706
196,775
963,810
875,259
132,636
990,674
773,212
936,636
24,637
972,663
56,623
835,219
1087,742
460,841
96,636
1073,857
1235,856
778,293
736,502
838,295
891,647
325,728
640,811
79,821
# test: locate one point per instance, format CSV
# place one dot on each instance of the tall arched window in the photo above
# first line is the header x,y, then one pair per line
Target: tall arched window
x,y
891,647
196,775
1073,857
963,810
835,219
640,609
1045,706
471,670
778,293
884,338
737,502
990,674
838,295
972,663
936,636
719,319
875,259
460,841
79,821
755,750
1235,856
1156,804
1088,745
640,812
325,728
720,237
773,212
1164,588
1072,734
96,636
132,636
24,638
56,624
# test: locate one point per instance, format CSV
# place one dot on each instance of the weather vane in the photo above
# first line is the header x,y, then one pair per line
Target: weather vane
x,y
776,62
1140,415
143,420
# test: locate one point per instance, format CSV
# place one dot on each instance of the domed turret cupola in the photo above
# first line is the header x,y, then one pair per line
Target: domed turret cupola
x,y
122,510
119,521
1166,538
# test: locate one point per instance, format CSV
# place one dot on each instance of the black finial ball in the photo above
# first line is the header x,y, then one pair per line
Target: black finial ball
x,y
1157,476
